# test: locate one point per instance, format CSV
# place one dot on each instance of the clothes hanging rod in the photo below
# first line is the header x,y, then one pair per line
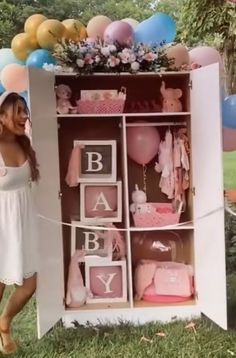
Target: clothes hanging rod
x,y
155,124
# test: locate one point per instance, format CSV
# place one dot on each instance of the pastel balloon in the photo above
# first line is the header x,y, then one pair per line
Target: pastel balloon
x,y
229,139
97,25
7,56
40,57
157,29
179,54
49,33
119,31
75,30
229,111
204,56
33,22
132,22
142,143
14,78
22,45
101,201
98,288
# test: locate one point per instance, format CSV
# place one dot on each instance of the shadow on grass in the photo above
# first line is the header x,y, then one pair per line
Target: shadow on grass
x,y
231,296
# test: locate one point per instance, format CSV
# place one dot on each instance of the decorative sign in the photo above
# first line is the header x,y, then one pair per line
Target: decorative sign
x,y
97,161
107,281
100,202
95,243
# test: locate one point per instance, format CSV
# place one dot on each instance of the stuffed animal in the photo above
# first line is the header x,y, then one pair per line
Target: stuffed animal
x,y
139,199
64,106
171,102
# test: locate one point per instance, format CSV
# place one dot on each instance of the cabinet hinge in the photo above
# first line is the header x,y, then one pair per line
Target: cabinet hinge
x,y
193,190
59,194
190,84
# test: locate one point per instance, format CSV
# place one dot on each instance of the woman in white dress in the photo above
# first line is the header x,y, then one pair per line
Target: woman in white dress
x,y
18,169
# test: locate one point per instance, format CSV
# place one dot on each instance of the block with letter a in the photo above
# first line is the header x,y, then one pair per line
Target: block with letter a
x,y
100,202
95,243
97,161
106,281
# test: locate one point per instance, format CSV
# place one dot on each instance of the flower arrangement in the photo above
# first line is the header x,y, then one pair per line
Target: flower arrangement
x,y
84,57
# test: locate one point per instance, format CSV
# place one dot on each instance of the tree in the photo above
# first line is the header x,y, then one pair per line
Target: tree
x,y
212,22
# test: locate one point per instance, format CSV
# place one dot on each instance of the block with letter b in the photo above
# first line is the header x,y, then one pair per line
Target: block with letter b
x,y
97,161
100,203
106,281
95,243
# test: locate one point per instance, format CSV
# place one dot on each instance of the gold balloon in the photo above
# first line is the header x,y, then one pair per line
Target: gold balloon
x,y
33,22
179,54
49,33
75,30
23,44
97,25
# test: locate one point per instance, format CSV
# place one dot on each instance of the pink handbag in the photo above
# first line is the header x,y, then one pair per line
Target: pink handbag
x,y
155,279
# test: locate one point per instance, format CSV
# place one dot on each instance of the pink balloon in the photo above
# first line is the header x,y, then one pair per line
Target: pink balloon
x,y
142,143
204,56
119,31
14,78
229,139
99,200
112,274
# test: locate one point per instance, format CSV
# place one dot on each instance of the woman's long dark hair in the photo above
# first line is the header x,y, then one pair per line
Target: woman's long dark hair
x,y
12,100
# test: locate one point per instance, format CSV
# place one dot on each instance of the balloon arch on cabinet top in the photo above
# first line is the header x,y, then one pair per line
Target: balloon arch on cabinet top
x,y
107,46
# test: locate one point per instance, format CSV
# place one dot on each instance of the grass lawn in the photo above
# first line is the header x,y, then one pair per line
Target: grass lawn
x,y
175,340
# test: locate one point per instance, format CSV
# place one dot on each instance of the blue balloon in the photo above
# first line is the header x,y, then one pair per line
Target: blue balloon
x,y
229,112
158,29
7,57
2,89
39,57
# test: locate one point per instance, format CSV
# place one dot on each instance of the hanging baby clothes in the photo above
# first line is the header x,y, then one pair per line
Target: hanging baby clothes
x,y
181,167
165,166
73,171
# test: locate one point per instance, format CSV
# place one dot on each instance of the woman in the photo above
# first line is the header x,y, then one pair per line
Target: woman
x,y
18,169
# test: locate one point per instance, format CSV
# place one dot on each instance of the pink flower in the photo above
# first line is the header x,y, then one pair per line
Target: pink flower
x,y
150,56
88,59
113,61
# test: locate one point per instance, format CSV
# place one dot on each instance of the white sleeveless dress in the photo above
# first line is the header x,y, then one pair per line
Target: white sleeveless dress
x,y
18,246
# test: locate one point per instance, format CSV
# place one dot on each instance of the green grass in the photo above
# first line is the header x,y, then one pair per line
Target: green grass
x,y
230,170
128,341
134,342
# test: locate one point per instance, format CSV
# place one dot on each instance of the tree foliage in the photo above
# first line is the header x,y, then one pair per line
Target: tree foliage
x,y
211,22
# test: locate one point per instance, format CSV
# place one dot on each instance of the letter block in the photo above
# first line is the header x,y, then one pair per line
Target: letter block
x,y
95,243
106,281
100,203
97,161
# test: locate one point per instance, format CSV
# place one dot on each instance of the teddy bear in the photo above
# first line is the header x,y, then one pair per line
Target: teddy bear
x,y
171,102
63,94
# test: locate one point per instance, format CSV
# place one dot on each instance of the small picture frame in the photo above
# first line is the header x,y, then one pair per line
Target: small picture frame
x,y
106,281
95,243
101,203
97,161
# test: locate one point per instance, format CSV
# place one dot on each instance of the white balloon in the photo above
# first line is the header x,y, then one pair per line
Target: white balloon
x,y
132,22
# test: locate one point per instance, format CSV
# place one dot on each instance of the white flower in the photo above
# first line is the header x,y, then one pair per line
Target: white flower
x,y
83,49
112,48
97,59
135,66
80,63
105,51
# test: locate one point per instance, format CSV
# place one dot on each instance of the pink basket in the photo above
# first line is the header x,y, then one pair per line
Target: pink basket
x,y
161,214
101,106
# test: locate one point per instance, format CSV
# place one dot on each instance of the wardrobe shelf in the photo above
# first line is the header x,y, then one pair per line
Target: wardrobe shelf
x,y
127,115
162,228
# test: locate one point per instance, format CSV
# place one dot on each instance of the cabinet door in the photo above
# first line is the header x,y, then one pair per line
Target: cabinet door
x,y
50,288
207,167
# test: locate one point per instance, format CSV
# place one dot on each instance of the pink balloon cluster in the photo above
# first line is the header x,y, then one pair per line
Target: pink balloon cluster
x,y
14,78
119,31
142,143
